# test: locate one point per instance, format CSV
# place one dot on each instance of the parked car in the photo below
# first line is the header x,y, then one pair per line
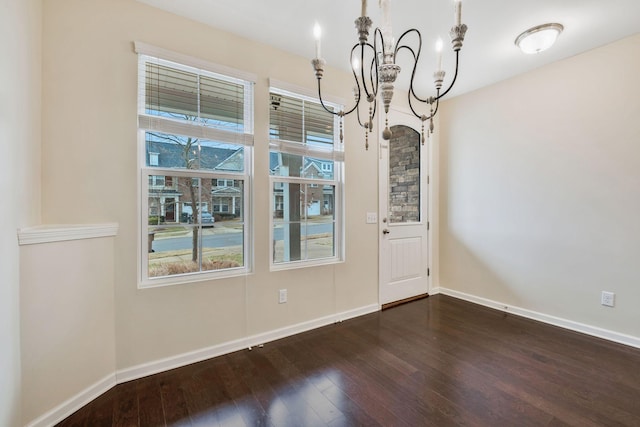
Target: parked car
x,y
207,219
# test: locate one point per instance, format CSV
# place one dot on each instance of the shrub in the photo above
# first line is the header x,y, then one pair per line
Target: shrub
x,y
183,267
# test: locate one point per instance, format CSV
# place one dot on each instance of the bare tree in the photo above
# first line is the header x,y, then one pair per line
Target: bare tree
x,y
190,154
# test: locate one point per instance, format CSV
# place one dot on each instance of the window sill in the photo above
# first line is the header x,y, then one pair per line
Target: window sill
x,y
305,264
185,279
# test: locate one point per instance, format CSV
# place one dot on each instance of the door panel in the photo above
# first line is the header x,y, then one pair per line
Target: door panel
x,y
403,195
406,255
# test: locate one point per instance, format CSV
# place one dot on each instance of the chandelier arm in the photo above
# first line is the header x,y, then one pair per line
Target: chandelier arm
x,y
376,60
413,110
406,33
415,113
435,111
455,76
339,113
357,106
416,58
373,71
436,100
413,73
362,76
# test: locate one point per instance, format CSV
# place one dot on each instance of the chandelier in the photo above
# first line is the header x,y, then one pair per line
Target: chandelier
x,y
375,70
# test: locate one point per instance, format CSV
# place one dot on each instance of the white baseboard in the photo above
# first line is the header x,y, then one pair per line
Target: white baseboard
x,y
67,408
434,291
545,318
84,397
177,361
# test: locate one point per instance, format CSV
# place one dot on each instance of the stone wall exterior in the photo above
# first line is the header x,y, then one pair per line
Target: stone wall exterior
x,y
404,175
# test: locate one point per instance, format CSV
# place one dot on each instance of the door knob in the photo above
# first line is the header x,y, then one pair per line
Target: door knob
x,y
385,231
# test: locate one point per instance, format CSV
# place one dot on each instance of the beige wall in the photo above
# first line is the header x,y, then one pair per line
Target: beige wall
x,y
538,189
20,49
541,189
89,144
68,332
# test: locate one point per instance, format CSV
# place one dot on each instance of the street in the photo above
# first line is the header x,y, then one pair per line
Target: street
x,y
220,239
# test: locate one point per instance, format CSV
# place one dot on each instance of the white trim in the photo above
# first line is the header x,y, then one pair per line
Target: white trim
x,y
308,150
184,359
92,392
169,55
64,232
545,318
162,124
289,89
315,262
435,290
71,405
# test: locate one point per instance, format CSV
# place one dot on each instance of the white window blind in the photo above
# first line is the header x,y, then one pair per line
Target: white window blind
x,y
180,99
300,125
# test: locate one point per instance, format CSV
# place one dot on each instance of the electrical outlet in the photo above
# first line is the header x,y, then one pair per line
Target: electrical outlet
x,y
608,299
282,296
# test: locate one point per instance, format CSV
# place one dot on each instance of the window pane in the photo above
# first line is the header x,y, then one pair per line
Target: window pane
x,y
184,152
227,198
404,175
192,246
223,246
164,197
285,164
304,222
318,168
319,236
172,250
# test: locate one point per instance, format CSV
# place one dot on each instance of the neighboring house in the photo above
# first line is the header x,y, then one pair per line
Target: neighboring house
x,y
227,193
319,200
170,196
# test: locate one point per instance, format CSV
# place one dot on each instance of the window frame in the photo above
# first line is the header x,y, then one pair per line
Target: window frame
x,y
243,139
335,154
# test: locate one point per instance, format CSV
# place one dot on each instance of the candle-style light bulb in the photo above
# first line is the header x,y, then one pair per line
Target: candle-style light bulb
x,y
387,33
458,11
317,34
439,54
364,8
355,63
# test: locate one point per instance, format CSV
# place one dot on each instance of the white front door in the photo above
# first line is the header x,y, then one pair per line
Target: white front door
x,y
403,225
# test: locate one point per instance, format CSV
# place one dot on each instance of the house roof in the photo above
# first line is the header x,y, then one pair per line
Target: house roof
x,y
172,155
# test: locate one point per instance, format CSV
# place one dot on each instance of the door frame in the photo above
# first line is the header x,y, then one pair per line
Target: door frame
x,y
428,196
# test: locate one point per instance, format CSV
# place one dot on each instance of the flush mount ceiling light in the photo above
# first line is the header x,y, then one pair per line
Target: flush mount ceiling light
x,y
538,38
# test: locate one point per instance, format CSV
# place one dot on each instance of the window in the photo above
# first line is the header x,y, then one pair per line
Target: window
x,y
307,169
153,159
196,129
225,183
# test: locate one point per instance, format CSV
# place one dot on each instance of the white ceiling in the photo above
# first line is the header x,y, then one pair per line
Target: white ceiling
x,y
488,55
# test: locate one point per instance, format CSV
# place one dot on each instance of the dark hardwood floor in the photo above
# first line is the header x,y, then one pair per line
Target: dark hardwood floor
x,y
437,362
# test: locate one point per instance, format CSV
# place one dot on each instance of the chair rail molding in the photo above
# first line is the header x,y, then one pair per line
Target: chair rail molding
x,y
63,232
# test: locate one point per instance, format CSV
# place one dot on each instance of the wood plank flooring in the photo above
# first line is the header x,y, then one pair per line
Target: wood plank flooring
x,y
438,361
